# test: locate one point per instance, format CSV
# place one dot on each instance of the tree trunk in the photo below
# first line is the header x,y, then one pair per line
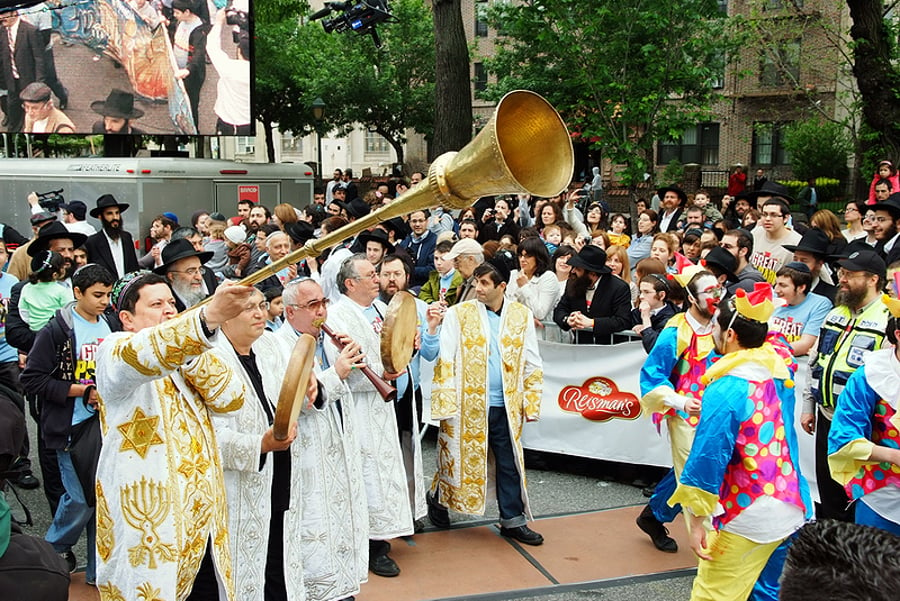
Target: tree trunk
x,y
395,144
453,98
877,77
270,139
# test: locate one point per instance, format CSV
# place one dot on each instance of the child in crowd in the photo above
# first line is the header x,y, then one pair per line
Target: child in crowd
x,y
274,318
239,252
618,226
710,213
43,294
444,280
552,237
654,309
60,371
886,171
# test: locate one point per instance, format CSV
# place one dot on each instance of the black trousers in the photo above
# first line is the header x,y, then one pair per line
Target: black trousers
x,y
509,486
206,585
275,589
834,503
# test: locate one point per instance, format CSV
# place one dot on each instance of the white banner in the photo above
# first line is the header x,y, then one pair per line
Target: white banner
x,y
591,406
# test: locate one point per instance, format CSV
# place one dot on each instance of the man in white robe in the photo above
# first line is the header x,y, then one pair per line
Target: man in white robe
x,y
162,520
334,520
360,314
262,482
487,383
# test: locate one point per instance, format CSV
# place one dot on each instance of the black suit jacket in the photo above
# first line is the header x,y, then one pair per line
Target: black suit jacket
x,y
29,56
98,252
673,224
610,309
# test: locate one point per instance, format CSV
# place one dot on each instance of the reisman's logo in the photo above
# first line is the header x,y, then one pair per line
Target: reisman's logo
x,y
599,400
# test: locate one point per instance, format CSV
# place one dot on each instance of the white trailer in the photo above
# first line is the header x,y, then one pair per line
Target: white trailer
x,y
151,186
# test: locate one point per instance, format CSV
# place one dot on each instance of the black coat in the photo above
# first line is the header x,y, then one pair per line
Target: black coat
x,y
610,309
657,323
98,252
29,56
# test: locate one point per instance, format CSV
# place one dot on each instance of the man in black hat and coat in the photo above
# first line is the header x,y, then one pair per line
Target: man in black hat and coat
x,y
112,246
671,205
22,63
596,303
812,251
887,214
183,267
118,112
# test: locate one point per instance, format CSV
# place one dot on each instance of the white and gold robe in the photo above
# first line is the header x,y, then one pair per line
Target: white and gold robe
x,y
333,519
160,488
459,400
373,424
248,488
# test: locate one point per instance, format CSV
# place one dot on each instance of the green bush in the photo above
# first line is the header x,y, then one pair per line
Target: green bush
x,y
828,189
818,149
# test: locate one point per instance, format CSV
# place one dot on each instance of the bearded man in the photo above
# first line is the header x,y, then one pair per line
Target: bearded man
x,y
183,267
112,247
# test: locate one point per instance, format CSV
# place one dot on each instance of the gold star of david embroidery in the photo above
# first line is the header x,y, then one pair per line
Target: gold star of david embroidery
x,y
140,433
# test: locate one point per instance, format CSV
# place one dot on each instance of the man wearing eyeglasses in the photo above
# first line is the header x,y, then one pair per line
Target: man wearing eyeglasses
x,y
887,214
333,516
770,236
183,267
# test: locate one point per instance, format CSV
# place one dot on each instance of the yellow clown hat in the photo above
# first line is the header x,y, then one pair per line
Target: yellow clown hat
x,y
686,270
756,305
892,304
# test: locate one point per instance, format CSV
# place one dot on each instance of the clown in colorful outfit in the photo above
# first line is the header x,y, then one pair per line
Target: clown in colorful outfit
x,y
864,441
743,470
671,389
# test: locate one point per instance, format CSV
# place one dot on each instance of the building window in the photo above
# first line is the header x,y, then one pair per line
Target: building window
x,y
768,144
779,65
245,145
376,144
698,144
480,77
291,144
723,6
481,26
717,81
783,4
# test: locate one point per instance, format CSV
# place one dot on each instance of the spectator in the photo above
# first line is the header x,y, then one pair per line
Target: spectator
x,y
737,180
420,246
887,173
41,117
664,248
189,51
595,302
617,261
22,64
444,280
534,284
672,201
801,317
812,250
377,245
618,226
334,183
561,267
466,255
284,215
739,243
182,265
161,229
20,263
643,241
690,244
112,247
497,222
887,214
43,294
769,239
118,112
232,106
853,215
710,213
243,211
653,311
468,228
74,214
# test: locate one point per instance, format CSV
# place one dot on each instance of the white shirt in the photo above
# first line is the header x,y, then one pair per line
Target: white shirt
x,y
118,255
233,90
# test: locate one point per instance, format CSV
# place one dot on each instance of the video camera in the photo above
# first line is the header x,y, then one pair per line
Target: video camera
x,y
51,201
239,21
361,17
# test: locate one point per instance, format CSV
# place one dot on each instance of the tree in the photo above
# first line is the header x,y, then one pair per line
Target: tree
x,y
877,72
452,96
622,74
818,148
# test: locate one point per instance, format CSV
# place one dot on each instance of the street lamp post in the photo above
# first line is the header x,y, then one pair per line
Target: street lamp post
x,y
318,111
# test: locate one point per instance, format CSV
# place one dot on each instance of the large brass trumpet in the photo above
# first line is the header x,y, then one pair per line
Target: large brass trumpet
x,y
524,148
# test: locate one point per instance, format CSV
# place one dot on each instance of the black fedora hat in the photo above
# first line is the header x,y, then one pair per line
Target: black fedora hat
x,y
177,250
54,231
300,231
891,205
591,258
682,196
357,208
106,201
723,260
769,189
380,236
118,104
813,241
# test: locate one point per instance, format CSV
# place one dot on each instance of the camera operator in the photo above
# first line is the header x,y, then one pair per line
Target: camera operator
x,y
232,106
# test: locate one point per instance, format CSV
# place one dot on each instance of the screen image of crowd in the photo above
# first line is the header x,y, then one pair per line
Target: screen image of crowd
x,y
192,495
127,67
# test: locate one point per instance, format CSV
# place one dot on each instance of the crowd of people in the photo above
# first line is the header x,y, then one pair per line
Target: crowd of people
x,y
191,494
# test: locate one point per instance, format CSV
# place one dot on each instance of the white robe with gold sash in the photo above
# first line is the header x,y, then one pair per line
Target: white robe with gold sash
x,y
160,487
373,424
459,399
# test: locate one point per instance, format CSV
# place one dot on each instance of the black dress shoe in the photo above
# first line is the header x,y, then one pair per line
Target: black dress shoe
x,y
437,513
382,565
69,558
658,533
523,534
27,481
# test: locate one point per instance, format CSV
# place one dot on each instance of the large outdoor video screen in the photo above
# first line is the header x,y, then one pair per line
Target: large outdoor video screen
x,y
162,67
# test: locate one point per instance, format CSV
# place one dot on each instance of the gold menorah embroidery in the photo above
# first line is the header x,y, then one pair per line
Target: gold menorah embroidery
x,y
145,505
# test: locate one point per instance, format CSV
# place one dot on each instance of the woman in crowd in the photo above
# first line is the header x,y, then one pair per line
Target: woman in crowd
x,y
826,221
647,227
617,260
748,221
561,267
663,248
284,215
691,244
534,284
853,215
549,215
